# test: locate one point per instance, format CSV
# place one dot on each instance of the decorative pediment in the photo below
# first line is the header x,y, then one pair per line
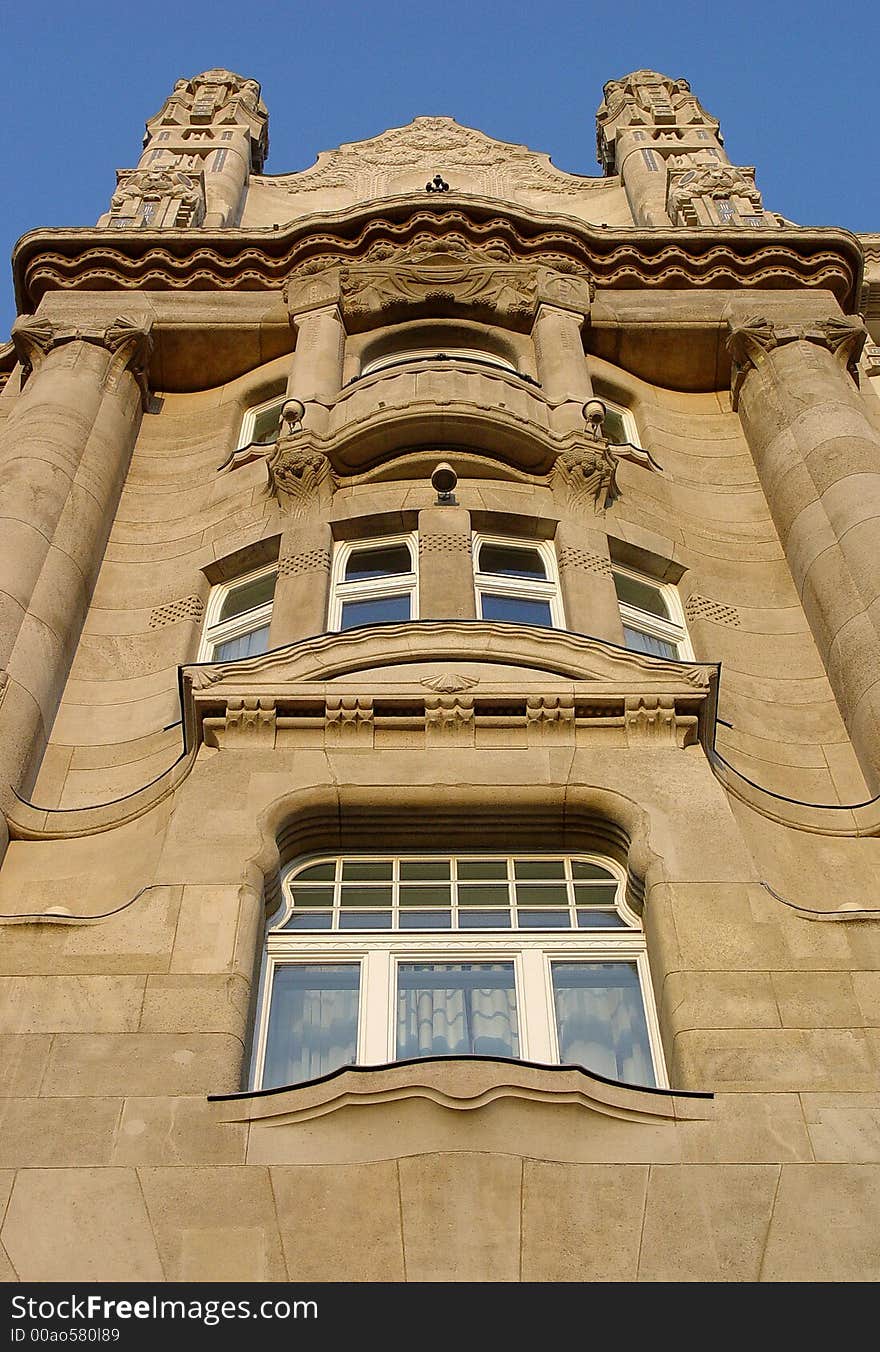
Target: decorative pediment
x,y
468,159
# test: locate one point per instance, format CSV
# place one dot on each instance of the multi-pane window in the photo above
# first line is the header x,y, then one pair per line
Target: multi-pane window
x,y
652,617
374,581
238,617
380,958
260,424
516,580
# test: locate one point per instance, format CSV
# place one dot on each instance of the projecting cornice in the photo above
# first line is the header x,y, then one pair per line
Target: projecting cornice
x,y
624,258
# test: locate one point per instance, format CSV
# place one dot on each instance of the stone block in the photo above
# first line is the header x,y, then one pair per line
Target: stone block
x,y
195,1004
581,1223
816,1000
99,1230
706,1223
340,1223
206,927
461,1217
23,1061
70,1004
215,1224
53,1132
143,1064
824,1225
166,1131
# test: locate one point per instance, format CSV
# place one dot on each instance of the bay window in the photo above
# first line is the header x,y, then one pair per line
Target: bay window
x,y
516,580
381,958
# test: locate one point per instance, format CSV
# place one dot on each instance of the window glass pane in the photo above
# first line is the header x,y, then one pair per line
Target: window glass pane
x,y
581,868
600,920
483,919
246,645
642,595
483,894
640,642
539,868
425,920
375,610
248,596
482,868
266,423
312,1022
543,919
424,868
364,896
367,870
360,920
378,561
456,1009
595,894
511,561
516,609
312,896
615,428
438,895
317,872
532,894
310,920
600,1018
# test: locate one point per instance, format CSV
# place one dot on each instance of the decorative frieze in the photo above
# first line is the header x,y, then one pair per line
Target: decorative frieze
x,y
349,719
652,719
550,718
444,544
713,194
750,342
185,608
702,608
160,197
251,718
449,719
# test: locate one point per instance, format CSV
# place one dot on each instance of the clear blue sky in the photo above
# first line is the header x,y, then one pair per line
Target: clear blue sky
x,y
794,84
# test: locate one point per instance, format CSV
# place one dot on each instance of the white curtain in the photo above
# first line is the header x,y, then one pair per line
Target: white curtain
x,y
601,1021
312,1023
456,1009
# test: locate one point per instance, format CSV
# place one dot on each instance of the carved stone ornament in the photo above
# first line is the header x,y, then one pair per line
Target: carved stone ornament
x,y
128,339
587,475
422,147
218,97
645,98
300,477
749,343
685,187
448,274
158,197
450,683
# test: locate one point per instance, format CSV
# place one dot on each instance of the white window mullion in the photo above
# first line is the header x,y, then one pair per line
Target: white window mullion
x,y
536,1031
377,1002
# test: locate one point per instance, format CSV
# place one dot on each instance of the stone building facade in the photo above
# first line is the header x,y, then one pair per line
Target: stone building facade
x,y
440,725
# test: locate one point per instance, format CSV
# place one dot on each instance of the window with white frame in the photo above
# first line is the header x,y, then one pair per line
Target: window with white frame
x,y
259,426
374,581
619,425
380,958
406,356
652,615
516,580
237,617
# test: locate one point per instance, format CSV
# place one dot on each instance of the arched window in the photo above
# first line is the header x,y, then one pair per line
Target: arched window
x,y
260,424
374,581
238,616
619,425
437,352
516,580
380,958
652,615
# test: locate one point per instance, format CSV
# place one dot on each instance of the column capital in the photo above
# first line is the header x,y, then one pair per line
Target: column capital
x,y
750,342
127,339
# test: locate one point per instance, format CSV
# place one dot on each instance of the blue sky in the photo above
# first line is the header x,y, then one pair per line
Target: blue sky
x,y
797,96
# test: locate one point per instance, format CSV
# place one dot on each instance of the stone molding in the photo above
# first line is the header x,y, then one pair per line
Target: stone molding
x,y
51,260
750,342
128,340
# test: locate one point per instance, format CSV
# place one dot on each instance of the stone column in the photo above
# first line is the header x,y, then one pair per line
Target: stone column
x,y
316,373
64,453
818,458
302,589
446,570
562,366
588,594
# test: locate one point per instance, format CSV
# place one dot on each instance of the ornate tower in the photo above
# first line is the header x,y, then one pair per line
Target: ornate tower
x,y
200,149
669,153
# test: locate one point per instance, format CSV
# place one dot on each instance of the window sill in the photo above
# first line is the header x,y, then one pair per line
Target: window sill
x,y
453,1103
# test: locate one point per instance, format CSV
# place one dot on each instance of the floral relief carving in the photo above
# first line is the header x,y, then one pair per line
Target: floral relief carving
x,y
300,476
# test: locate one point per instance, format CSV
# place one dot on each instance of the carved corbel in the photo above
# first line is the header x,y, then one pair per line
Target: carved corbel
x,y
33,339
312,286
586,474
566,290
449,719
845,337
550,718
250,719
349,719
131,343
652,719
300,476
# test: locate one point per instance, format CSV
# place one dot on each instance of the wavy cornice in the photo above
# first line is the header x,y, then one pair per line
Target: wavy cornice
x,y
261,259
